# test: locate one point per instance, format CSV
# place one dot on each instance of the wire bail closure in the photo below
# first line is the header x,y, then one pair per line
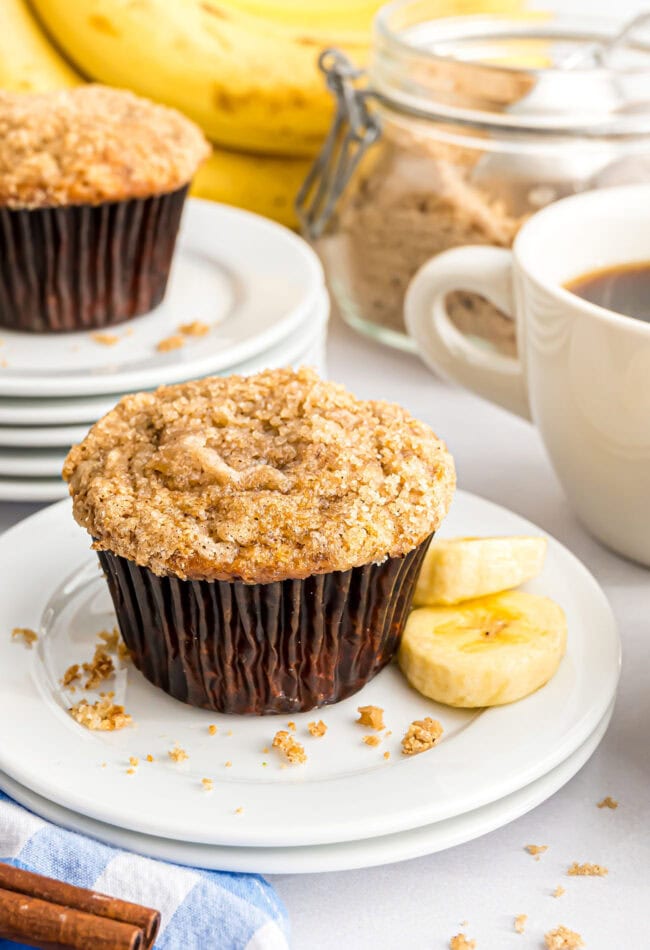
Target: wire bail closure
x,y
353,131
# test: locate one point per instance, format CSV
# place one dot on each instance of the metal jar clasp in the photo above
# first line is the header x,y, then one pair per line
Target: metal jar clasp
x,y
354,129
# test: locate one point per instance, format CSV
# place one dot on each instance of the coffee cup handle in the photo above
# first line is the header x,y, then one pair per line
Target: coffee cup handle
x,y
482,270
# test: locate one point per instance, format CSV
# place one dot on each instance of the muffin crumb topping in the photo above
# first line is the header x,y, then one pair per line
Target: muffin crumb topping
x,y
92,144
263,478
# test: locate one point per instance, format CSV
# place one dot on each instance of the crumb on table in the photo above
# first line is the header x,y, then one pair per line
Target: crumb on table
x,y
317,728
177,754
103,715
536,850
195,328
587,870
292,750
174,342
520,923
29,637
421,735
563,939
608,802
371,716
371,740
461,942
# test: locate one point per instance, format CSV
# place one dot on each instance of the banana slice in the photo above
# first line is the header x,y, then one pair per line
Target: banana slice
x,y
485,652
464,568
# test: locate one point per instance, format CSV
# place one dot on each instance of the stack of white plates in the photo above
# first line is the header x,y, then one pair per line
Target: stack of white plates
x,y
350,804
257,286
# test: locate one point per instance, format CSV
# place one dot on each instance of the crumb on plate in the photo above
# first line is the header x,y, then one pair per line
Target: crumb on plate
x,y
133,760
195,328
29,637
292,750
228,764
520,923
212,730
371,716
608,802
100,668
371,740
317,728
173,342
421,735
291,725
102,715
207,784
587,870
559,891
130,771
105,339
387,755
239,811
177,754
461,942
150,758
563,939
71,674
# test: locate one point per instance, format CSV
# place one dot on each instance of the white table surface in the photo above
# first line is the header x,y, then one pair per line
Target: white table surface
x,y
487,882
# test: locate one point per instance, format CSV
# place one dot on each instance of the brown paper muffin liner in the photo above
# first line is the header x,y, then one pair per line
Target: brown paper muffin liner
x,y
257,649
82,267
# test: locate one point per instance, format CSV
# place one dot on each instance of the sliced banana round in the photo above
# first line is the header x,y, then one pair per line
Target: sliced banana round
x,y
484,652
463,568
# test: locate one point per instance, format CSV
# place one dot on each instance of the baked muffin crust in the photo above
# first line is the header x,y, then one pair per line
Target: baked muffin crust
x,y
92,144
261,478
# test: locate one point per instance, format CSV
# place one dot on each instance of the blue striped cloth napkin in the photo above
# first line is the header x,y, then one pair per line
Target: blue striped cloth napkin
x,y
201,910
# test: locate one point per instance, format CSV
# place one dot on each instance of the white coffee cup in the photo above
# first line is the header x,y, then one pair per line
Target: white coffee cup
x,y
583,372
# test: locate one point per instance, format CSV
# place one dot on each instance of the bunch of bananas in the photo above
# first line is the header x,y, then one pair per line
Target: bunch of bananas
x,y
244,70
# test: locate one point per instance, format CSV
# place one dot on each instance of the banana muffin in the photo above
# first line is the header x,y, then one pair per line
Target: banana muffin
x,y
92,185
261,536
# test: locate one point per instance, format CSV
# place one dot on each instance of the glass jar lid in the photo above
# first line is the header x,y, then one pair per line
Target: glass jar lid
x,y
541,73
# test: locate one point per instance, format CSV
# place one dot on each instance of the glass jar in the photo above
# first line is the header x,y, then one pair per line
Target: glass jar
x,y
460,130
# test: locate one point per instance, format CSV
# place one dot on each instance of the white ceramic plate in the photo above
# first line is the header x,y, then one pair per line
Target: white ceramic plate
x,y
52,583
251,280
32,489
31,463
42,437
345,856
304,345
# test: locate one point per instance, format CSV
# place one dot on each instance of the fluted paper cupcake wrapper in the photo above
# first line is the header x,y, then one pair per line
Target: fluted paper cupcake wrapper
x,y
257,649
83,267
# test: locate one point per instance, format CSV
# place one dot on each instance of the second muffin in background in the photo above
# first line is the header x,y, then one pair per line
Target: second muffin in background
x,y
261,535
92,185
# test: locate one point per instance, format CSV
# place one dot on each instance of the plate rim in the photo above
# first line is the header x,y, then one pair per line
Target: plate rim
x,y
176,371
324,858
348,826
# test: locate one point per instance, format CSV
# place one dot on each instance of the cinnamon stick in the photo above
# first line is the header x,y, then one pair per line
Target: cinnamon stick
x,y
78,898
51,926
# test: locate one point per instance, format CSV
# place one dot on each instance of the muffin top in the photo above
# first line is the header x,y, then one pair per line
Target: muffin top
x,y
92,144
261,478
